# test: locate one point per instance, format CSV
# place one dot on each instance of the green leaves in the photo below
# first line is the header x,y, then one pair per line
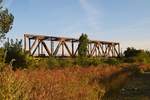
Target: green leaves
x,y
6,21
83,45
14,51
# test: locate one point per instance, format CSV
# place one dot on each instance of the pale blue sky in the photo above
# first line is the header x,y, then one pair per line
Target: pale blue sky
x,y
124,21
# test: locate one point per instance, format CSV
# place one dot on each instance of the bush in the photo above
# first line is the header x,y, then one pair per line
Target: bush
x,y
82,61
138,56
129,60
143,57
33,63
15,54
96,61
65,62
131,52
52,62
112,61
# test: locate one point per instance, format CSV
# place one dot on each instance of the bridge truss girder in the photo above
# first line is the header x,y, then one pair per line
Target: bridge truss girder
x,y
37,45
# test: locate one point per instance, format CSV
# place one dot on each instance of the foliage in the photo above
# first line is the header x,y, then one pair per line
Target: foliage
x,y
66,63
82,61
15,53
83,45
138,56
6,21
96,61
131,52
53,62
112,61
86,61
33,63
143,57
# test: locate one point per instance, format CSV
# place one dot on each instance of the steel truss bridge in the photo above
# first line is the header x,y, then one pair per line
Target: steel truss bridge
x,y
40,45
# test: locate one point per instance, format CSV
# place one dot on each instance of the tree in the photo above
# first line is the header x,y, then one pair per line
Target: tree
x,y
6,21
15,53
131,52
83,45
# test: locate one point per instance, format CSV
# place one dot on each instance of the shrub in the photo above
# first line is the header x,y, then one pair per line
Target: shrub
x,y
52,62
143,57
96,61
139,56
82,61
14,51
65,62
112,61
131,52
33,63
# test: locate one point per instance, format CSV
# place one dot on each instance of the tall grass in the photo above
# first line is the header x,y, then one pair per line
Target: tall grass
x,y
73,83
70,83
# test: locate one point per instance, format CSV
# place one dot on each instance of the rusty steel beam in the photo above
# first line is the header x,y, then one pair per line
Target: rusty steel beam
x,y
25,43
95,47
46,48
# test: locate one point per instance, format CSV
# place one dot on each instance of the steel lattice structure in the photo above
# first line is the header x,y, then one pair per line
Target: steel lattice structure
x,y
40,45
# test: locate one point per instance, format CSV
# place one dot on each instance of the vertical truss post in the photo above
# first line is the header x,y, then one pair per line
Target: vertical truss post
x,y
62,48
72,48
119,52
52,47
39,48
29,45
25,43
42,48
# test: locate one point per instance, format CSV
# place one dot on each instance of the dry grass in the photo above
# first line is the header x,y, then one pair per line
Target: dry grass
x,y
74,83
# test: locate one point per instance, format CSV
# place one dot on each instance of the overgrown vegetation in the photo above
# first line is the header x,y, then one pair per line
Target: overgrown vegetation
x,y
68,83
131,55
14,53
75,83
82,78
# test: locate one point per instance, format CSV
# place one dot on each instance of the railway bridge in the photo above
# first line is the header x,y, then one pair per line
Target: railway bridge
x,y
40,45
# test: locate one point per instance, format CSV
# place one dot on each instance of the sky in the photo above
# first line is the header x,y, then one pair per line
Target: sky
x,y
124,21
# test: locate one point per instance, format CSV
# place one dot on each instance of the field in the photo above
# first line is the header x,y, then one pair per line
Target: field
x,y
75,83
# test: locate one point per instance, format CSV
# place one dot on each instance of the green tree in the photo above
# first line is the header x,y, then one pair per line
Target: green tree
x,y
131,52
83,45
6,21
15,53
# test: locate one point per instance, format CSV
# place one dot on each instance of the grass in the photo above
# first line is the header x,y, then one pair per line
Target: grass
x,y
136,87
74,83
70,83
